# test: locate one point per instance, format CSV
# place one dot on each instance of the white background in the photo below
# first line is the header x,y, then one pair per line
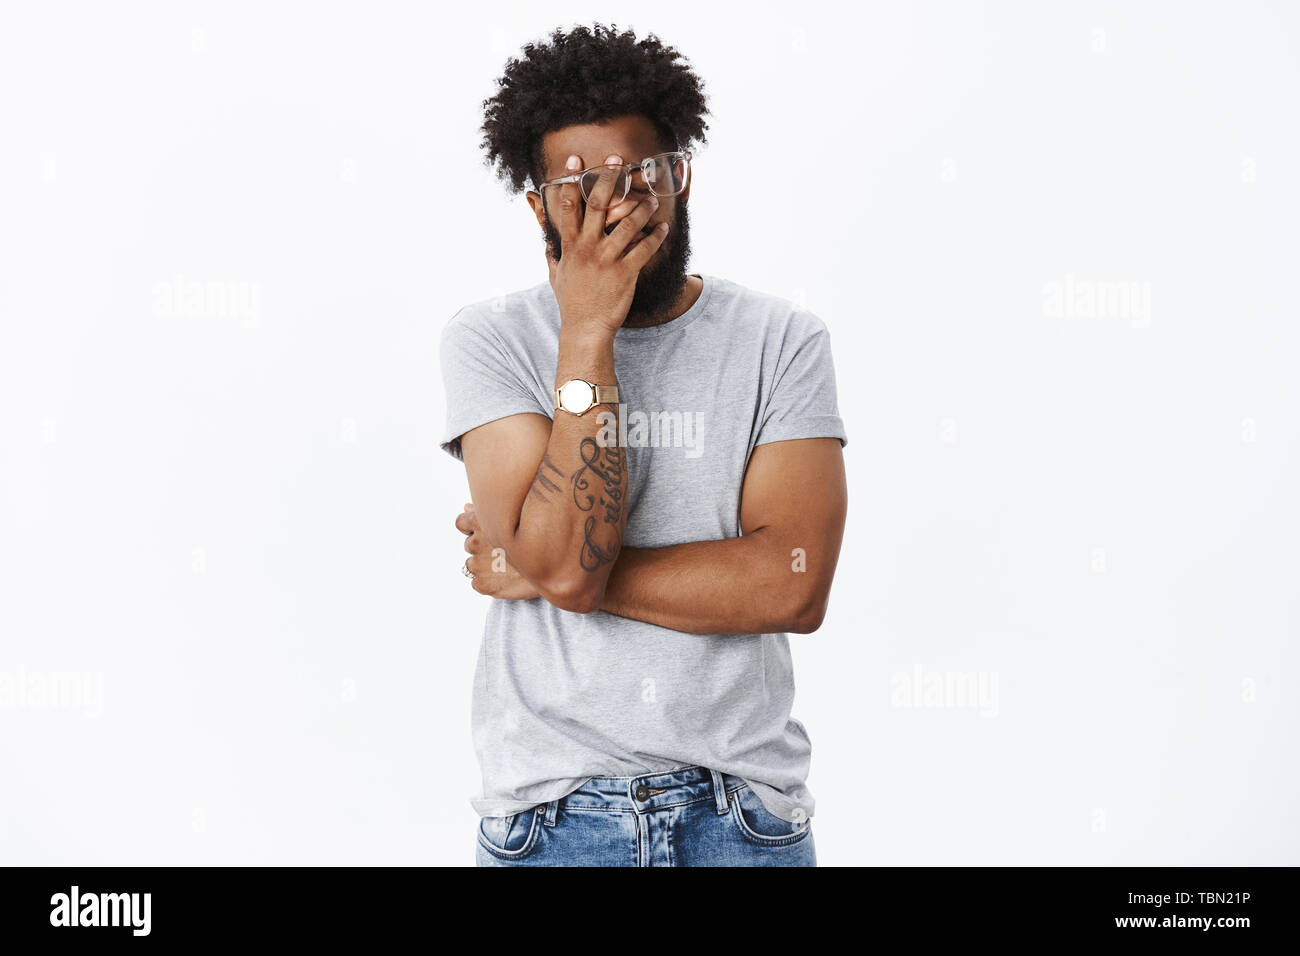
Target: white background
x,y
233,516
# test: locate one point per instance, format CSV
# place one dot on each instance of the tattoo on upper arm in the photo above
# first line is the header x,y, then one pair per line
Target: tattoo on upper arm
x,y
599,482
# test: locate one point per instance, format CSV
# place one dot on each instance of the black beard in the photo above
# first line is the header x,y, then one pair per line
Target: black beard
x,y
662,280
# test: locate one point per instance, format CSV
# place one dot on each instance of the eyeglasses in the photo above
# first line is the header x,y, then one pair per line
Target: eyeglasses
x,y
663,175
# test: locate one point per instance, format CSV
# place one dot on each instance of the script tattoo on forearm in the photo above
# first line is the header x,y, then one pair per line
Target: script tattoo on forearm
x,y
598,484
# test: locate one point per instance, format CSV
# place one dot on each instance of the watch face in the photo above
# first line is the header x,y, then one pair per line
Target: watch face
x,y
576,395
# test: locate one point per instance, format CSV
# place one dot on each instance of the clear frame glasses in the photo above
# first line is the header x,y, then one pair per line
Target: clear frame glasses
x,y
664,175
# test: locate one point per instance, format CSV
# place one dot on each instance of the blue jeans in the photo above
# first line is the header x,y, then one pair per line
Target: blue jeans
x,y
688,817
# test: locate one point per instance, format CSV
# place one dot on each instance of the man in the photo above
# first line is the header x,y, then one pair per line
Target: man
x,y
658,492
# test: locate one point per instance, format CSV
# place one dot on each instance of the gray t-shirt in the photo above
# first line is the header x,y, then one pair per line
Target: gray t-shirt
x,y
561,697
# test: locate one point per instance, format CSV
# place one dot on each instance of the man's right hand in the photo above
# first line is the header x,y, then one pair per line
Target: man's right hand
x,y
595,277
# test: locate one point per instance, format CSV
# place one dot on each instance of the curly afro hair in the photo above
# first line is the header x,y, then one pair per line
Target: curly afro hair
x,y
587,76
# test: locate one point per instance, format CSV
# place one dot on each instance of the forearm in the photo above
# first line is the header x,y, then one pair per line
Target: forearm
x,y
569,527
753,584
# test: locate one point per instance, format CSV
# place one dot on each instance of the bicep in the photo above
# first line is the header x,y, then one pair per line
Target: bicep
x,y
501,459
798,490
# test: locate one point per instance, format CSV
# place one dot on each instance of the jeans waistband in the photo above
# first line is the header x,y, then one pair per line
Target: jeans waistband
x,y
654,791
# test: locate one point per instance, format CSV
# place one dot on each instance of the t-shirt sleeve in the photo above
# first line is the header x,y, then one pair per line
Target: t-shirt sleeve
x,y
803,401
480,382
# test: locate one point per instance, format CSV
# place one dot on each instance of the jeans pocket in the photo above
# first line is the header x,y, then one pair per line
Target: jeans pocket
x,y
761,826
512,837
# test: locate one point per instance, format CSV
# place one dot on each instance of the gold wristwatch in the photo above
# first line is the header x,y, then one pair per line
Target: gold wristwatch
x,y
576,396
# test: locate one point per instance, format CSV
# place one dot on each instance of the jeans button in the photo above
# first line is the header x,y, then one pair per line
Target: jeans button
x,y
642,793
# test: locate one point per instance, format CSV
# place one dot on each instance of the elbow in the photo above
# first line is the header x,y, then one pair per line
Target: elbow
x,y
579,592
578,603
808,614
575,594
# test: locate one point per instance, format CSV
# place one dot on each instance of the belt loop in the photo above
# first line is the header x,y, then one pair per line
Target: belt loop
x,y
719,791
551,809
